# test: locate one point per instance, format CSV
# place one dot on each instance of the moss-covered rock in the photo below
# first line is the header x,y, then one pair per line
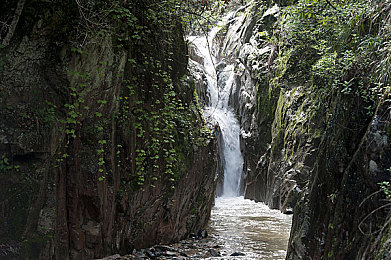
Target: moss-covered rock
x,y
311,137
103,146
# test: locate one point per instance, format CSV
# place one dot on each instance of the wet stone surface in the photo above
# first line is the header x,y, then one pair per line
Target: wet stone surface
x,y
238,229
192,248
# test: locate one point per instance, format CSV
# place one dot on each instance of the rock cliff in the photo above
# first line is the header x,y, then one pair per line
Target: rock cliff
x,y
315,127
102,144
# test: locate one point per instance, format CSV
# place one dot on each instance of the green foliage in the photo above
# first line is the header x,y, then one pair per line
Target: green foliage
x,y
75,109
158,117
158,153
198,17
333,46
385,186
6,166
149,105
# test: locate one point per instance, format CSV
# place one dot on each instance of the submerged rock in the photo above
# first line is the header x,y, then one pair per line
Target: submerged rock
x,y
238,254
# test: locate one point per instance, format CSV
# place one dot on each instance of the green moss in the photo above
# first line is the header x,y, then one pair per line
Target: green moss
x,y
384,247
317,133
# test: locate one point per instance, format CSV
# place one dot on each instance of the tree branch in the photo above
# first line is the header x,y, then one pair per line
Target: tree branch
x,y
14,23
330,4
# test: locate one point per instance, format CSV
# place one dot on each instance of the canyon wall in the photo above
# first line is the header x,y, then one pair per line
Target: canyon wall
x,y
314,112
103,147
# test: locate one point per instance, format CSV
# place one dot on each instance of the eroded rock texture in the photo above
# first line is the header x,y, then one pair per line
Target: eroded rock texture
x,y
102,146
319,149
255,101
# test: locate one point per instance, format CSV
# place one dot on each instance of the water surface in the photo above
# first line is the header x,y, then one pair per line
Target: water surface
x,y
241,225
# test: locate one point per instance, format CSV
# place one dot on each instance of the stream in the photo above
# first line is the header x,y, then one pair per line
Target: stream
x,y
241,225
236,224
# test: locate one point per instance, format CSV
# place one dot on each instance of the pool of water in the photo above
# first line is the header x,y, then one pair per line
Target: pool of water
x,y
241,225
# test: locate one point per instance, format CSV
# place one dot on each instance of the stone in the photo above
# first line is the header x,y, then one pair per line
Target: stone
x,y
165,248
96,216
150,254
214,253
112,257
92,228
373,168
288,212
195,55
202,233
170,253
220,66
140,255
238,254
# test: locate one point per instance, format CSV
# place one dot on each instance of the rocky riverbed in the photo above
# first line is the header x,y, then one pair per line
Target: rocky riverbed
x,y
238,229
187,249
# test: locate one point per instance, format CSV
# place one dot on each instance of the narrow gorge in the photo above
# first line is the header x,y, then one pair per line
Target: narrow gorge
x,y
237,225
130,129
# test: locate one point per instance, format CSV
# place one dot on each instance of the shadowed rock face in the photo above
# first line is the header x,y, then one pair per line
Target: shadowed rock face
x,y
255,103
74,124
320,153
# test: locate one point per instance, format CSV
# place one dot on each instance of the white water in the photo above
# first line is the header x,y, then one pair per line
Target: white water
x,y
220,111
241,225
236,224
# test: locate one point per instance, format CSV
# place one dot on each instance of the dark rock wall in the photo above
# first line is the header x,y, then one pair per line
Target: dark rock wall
x,y
102,145
307,146
255,100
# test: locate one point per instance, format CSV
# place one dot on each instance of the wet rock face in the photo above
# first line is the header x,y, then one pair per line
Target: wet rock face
x,y
324,157
199,80
348,178
255,102
70,144
220,162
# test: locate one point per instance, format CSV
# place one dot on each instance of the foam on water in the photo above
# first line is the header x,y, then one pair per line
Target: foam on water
x,y
241,225
220,110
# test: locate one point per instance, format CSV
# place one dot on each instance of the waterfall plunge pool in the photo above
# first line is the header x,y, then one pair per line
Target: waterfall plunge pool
x,y
236,225
242,225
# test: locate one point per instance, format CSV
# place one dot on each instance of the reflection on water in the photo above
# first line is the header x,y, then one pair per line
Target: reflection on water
x,y
240,225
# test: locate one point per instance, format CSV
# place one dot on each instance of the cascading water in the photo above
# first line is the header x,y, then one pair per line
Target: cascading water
x,y
236,224
220,85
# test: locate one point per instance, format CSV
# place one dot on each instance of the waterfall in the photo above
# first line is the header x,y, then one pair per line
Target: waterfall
x,y
220,83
